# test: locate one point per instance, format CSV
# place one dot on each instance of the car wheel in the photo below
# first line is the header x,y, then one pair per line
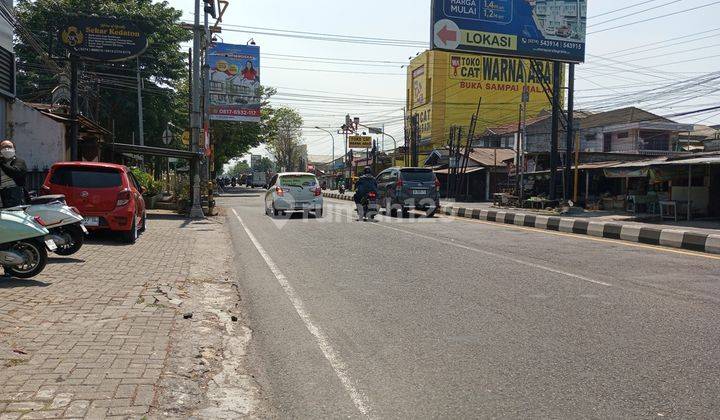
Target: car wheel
x,y
319,213
131,236
275,211
405,212
143,226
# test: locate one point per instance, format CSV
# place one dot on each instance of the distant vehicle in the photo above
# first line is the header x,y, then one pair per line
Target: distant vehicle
x,y
107,195
256,180
294,191
405,189
563,31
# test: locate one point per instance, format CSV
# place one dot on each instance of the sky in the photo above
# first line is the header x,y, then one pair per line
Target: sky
x,y
371,83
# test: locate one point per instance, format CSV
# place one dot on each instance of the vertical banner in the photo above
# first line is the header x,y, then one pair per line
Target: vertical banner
x,y
235,92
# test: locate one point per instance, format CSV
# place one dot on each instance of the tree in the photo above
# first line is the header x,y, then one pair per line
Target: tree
x,y
108,90
233,139
238,169
283,137
265,165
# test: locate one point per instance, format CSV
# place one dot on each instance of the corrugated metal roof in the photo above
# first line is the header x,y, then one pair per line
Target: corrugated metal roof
x,y
469,170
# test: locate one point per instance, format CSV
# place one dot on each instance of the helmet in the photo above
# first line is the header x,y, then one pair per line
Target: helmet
x,y
367,171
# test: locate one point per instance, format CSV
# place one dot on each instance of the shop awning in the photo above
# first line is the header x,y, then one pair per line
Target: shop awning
x,y
707,160
469,171
152,151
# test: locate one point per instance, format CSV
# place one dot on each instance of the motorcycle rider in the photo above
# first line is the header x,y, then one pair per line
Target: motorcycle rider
x,y
364,185
12,176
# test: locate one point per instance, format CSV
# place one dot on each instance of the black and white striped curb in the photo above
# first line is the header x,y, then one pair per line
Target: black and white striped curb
x,y
675,238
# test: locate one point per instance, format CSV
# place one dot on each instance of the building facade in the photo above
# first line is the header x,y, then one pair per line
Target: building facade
x,y
7,65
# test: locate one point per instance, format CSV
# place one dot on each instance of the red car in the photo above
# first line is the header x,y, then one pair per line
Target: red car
x,y
107,195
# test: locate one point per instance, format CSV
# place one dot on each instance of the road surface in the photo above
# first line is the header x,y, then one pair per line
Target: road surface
x,y
450,317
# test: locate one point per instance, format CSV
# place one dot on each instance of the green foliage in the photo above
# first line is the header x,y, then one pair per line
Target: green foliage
x,y
147,181
238,169
265,165
233,140
109,89
283,132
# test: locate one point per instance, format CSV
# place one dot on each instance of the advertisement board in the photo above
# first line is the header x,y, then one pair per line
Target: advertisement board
x,y
235,91
459,81
419,87
359,142
102,39
255,161
541,29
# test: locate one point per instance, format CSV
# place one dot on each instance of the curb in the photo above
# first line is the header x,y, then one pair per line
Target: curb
x,y
672,238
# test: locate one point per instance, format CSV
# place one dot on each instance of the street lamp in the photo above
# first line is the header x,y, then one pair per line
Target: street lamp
x,y
333,146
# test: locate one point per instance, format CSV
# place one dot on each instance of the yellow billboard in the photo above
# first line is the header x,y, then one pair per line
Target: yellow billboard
x,y
455,83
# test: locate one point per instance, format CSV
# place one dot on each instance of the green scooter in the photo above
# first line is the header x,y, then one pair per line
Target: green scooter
x,y
23,243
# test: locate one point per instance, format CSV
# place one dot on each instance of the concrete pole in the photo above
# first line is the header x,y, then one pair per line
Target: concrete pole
x,y
196,210
141,125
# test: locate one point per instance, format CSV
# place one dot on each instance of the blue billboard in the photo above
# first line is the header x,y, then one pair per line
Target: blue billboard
x,y
542,29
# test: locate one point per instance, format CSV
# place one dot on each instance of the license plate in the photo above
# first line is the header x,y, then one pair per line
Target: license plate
x,y
419,192
91,221
51,244
84,229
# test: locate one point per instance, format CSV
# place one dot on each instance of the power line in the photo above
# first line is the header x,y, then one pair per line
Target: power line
x,y
655,18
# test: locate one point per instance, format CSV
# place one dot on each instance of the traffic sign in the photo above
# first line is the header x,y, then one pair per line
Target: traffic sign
x,y
167,136
359,142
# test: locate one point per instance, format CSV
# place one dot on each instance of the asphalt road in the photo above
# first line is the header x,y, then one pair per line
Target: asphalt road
x,y
448,318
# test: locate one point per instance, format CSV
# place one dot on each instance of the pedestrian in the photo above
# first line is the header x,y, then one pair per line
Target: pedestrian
x,y
12,176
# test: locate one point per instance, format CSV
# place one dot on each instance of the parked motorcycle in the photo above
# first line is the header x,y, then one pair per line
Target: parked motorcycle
x,y
369,206
64,223
23,243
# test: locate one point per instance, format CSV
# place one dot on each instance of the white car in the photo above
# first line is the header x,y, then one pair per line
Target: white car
x,y
294,191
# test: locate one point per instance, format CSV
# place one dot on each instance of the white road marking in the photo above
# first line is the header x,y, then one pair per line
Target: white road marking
x,y
515,260
330,354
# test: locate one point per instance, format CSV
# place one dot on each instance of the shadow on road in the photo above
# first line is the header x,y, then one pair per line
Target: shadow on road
x,y
12,283
65,260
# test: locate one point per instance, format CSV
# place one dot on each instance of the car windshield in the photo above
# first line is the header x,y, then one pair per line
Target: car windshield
x,y
87,177
298,181
417,175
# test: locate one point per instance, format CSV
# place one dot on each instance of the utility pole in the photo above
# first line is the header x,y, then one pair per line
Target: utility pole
x,y
206,97
196,210
141,128
74,123
555,137
570,131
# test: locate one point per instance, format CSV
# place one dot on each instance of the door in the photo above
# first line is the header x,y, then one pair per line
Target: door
x,y
270,191
382,184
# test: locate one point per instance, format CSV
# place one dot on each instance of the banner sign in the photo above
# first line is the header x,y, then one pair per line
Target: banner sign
x,y
102,39
235,92
359,142
542,29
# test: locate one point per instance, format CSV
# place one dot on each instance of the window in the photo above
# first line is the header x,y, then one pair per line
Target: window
x,y
134,181
273,180
383,177
418,175
87,177
298,181
607,142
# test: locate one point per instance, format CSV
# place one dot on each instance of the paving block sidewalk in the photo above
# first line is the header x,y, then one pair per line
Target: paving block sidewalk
x,y
705,240
91,336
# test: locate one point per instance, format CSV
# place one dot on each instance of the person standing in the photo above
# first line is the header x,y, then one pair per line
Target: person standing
x,y
12,176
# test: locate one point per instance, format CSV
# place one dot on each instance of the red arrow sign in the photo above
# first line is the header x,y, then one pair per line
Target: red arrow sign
x,y
447,35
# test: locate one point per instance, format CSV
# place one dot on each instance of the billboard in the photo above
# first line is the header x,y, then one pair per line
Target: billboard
x,y
235,91
460,80
102,39
541,29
